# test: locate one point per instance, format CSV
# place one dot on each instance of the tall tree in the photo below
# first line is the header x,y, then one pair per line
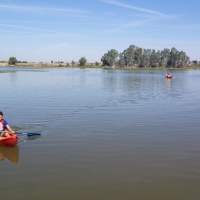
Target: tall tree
x,y
129,55
12,61
73,63
110,58
165,57
82,61
145,60
138,55
121,61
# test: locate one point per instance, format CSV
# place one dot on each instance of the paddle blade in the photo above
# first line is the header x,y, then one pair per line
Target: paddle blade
x,y
33,134
28,134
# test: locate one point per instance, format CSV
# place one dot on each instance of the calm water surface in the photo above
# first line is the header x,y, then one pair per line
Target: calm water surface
x,y
106,135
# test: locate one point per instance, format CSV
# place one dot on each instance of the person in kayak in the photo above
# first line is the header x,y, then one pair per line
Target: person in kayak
x,y
168,75
4,127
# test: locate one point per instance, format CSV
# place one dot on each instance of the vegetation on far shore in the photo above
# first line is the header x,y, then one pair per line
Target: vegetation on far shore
x,y
131,58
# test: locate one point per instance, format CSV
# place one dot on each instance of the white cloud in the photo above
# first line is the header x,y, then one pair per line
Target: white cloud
x,y
132,7
29,28
41,9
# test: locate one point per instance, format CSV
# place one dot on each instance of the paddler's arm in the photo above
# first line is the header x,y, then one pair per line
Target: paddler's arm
x,y
9,129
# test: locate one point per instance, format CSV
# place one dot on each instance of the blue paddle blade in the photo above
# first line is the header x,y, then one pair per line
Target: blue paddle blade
x,y
33,134
28,134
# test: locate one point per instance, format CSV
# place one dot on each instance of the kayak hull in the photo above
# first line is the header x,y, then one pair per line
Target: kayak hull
x,y
9,141
169,77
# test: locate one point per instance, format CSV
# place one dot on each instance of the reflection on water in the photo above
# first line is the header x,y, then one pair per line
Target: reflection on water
x,y
10,153
25,138
134,87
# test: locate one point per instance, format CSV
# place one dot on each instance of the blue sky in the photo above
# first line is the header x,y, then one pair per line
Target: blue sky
x,y
66,30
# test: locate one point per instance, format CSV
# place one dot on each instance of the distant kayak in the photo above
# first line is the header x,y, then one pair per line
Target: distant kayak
x,y
169,77
9,141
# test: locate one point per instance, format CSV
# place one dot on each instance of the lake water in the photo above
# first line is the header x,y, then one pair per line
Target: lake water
x,y
106,134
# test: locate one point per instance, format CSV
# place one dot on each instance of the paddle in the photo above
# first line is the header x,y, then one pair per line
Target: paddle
x,y
28,134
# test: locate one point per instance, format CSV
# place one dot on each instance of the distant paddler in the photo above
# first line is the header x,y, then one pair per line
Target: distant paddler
x,y
168,75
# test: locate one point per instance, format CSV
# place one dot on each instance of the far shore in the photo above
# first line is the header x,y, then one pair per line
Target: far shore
x,y
35,64
91,65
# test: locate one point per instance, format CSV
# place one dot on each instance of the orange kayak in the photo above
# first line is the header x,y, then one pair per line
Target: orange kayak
x,y
9,141
168,77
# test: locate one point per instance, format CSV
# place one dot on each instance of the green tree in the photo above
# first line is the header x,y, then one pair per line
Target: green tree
x,y
165,57
121,61
155,58
96,64
82,61
129,56
110,58
183,59
73,63
177,58
145,59
12,61
138,55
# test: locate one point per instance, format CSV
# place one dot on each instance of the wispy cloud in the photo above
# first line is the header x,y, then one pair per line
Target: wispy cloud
x,y
132,7
61,22
36,32
29,28
42,9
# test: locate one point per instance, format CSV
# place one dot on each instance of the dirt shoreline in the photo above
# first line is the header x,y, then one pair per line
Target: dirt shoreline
x,y
35,64
88,65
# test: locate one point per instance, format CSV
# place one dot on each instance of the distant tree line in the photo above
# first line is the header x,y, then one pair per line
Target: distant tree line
x,y
82,62
133,56
136,56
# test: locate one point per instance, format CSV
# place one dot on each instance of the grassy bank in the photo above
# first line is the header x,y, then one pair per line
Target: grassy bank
x,y
92,65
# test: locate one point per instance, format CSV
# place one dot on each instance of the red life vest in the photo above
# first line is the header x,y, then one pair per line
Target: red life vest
x,y
2,125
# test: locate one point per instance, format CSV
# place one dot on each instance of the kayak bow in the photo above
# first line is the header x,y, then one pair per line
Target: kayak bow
x,y
9,141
